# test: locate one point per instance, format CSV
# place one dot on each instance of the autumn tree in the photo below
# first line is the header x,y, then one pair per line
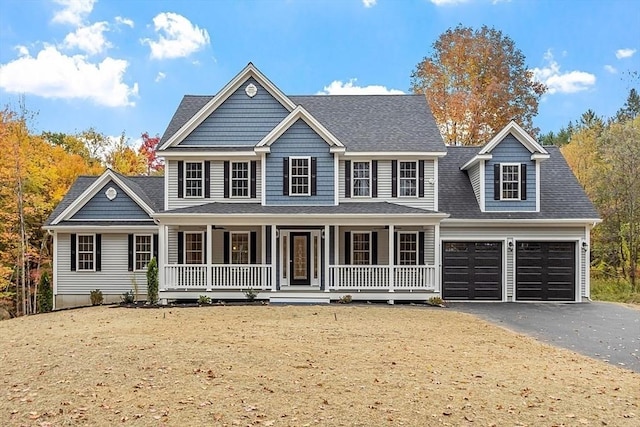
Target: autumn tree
x,y
476,81
148,149
125,160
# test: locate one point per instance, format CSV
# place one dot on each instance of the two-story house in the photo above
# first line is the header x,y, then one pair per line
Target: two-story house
x,y
310,198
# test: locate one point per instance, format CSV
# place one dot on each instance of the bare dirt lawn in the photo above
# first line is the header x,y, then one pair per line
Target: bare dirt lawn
x,y
296,366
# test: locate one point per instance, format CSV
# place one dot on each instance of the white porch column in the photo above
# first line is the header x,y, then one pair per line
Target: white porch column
x,y
392,248
209,259
336,245
274,256
263,244
327,280
162,257
436,257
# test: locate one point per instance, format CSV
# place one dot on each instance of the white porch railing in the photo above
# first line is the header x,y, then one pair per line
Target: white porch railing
x,y
221,276
415,277
377,277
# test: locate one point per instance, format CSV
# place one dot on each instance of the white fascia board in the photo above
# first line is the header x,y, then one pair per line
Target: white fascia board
x,y
204,154
539,156
395,155
261,150
100,228
477,158
92,190
520,134
299,113
338,150
560,222
249,71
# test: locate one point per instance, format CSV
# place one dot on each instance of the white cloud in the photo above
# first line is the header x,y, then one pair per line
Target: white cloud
x,y
557,81
51,74
337,87
177,37
124,21
447,2
22,50
160,76
610,68
625,53
369,3
89,39
73,11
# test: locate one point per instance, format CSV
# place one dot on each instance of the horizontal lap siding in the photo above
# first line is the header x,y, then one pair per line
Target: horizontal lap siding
x,y
121,207
474,177
114,277
217,242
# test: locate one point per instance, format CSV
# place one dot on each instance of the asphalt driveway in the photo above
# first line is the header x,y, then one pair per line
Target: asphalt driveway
x,y
604,331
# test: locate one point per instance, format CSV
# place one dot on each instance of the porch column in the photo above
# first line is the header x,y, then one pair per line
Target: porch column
x,y
327,280
263,244
392,248
162,256
209,259
436,260
274,257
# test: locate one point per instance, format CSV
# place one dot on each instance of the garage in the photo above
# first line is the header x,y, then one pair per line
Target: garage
x,y
545,271
472,271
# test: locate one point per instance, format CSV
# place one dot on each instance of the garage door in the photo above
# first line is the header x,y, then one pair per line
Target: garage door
x,y
545,271
472,271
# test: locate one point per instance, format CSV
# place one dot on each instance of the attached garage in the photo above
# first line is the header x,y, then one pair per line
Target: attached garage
x,y
472,271
545,271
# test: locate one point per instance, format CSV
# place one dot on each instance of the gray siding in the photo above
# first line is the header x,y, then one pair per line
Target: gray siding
x,y
300,140
474,177
100,207
510,150
239,120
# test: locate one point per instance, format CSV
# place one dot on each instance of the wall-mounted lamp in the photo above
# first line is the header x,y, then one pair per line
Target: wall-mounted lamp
x,y
585,246
277,233
322,234
431,181
510,245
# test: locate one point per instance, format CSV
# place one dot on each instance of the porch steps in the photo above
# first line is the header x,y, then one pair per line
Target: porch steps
x,y
292,298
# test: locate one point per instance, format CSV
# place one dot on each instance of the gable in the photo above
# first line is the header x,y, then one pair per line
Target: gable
x,y
99,207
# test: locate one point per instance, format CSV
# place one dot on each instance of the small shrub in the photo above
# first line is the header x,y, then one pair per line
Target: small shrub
x,y
613,289
251,294
436,301
204,300
96,297
152,281
134,285
128,298
345,299
45,294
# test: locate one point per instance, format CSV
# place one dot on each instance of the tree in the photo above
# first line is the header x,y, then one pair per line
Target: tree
x,y
631,108
476,81
125,160
149,150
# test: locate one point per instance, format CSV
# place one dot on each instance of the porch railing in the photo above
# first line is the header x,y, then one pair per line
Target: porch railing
x,y
377,277
221,276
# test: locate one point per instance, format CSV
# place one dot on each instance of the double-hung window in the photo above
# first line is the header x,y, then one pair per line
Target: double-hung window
x,y
239,179
239,248
193,179
361,248
143,251
510,181
300,176
361,177
408,182
193,248
86,252
408,248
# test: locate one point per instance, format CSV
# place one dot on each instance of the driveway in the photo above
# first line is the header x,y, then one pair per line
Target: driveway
x,y
604,331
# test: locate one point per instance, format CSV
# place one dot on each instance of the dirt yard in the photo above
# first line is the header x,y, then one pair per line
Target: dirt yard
x,y
297,366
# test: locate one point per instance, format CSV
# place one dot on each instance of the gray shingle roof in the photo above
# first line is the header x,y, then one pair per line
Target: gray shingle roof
x,y
189,106
561,196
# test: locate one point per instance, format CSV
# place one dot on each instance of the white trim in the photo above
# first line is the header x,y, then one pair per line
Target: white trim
x,y
520,134
149,220
55,268
506,222
135,251
263,244
436,184
437,257
587,267
539,156
93,260
166,184
475,159
102,228
537,186
396,155
483,183
336,180
249,71
274,257
308,159
502,166
161,260
184,180
263,179
327,247
352,179
204,154
392,248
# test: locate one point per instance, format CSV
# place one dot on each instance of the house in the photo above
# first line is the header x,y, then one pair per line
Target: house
x,y
310,198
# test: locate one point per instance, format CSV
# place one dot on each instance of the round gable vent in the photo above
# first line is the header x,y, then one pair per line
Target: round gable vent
x,y
111,193
251,90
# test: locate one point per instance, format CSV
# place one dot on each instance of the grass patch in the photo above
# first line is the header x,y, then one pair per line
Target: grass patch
x,y
614,290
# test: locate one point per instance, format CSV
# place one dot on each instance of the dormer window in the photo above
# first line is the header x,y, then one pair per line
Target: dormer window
x,y
510,181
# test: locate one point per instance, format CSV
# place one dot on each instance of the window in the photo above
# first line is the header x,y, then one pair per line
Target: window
x,y
193,248
299,173
239,248
510,181
361,179
143,251
408,181
86,252
193,179
240,179
361,252
408,248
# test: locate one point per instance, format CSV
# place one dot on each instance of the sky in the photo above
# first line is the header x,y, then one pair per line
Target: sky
x,y
123,66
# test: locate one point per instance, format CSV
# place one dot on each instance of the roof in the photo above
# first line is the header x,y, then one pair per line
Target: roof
x,y
383,123
561,196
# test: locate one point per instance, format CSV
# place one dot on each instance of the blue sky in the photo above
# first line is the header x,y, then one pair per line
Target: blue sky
x,y
124,65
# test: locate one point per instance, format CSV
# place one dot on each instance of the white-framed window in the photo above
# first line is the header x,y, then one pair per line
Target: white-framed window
x,y
240,179
510,181
193,179
194,247
361,179
239,248
143,250
299,176
408,248
408,179
361,248
86,252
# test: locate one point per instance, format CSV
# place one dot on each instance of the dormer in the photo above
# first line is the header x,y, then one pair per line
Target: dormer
x,y
505,173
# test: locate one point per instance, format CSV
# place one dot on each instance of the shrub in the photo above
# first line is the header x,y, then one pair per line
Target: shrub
x,y
152,281
204,300
613,289
128,297
436,301
96,297
251,294
45,294
345,299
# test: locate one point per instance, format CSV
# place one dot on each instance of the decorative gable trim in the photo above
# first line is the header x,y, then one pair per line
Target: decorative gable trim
x,y
93,189
249,71
299,113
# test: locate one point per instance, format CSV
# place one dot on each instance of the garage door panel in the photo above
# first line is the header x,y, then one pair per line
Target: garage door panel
x,y
472,271
545,271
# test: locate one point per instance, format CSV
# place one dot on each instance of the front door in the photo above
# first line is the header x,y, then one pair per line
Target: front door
x,y
300,265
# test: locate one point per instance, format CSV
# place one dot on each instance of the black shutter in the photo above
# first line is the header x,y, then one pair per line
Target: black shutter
x,y
73,252
155,248
204,248
254,171
421,248
180,247
496,182
130,251
347,178
347,247
421,178
314,176
98,243
395,248
226,180
394,178
207,179
374,178
285,176
374,248
253,244
523,182
225,247
180,179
